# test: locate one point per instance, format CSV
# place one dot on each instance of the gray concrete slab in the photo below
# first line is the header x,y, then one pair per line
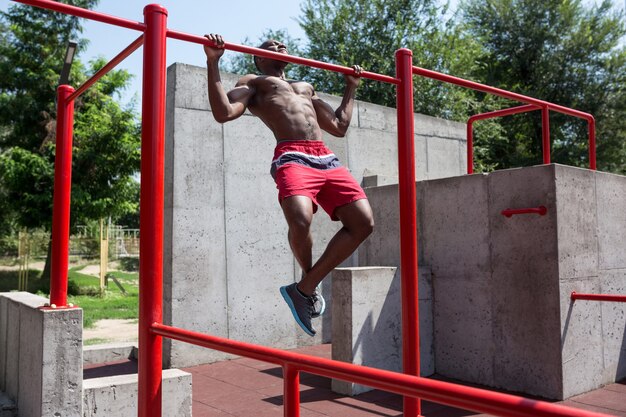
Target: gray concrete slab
x,y
611,200
109,352
578,246
117,395
366,329
524,283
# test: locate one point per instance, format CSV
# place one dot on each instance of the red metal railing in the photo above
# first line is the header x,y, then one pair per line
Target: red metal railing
x,y
598,297
482,401
541,210
540,104
483,116
151,330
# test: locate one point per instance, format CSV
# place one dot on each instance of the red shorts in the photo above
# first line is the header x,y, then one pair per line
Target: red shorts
x,y
309,168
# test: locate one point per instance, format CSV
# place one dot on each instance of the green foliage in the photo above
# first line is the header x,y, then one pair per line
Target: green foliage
x,y
244,63
349,32
559,51
106,139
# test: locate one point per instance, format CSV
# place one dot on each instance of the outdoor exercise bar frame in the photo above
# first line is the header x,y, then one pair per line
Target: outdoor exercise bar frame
x,y
532,104
151,329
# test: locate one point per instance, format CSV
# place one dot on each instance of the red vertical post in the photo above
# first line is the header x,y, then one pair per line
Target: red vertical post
x,y
545,133
62,197
151,211
592,143
470,146
291,391
408,224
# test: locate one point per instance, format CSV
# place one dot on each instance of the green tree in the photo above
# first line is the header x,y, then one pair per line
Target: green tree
x,y
349,32
106,135
559,51
242,64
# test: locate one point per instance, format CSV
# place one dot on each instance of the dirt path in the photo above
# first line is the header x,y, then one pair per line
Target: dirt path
x,y
113,330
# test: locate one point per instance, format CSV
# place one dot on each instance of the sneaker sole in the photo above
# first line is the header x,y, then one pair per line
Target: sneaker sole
x,y
283,292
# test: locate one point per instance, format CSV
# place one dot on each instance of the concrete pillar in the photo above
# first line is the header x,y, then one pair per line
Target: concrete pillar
x,y
366,325
42,356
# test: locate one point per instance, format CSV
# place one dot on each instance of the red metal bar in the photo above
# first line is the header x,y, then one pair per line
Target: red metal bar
x,y
545,134
514,96
62,197
408,224
592,142
541,210
599,297
482,116
282,57
84,13
108,67
475,399
291,391
151,211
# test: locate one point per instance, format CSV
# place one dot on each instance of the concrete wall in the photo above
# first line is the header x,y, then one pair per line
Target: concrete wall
x,y
40,356
226,252
501,286
117,395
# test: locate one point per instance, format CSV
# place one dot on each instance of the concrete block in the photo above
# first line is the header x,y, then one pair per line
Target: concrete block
x,y
578,246
258,254
43,351
524,276
366,329
613,326
117,395
455,212
441,128
191,85
109,352
443,158
367,321
372,152
375,117
610,203
462,316
581,338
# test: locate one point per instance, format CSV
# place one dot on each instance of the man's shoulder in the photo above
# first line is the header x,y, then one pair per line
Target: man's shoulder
x,y
246,79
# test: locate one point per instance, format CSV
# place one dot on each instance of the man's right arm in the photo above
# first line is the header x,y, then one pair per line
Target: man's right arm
x,y
224,106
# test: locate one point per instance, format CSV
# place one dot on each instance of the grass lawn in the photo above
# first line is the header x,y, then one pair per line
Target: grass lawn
x,y
112,304
86,289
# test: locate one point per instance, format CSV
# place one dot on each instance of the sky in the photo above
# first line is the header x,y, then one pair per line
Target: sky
x,y
233,19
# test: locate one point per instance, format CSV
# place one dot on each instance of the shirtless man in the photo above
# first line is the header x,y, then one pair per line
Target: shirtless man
x,y
305,171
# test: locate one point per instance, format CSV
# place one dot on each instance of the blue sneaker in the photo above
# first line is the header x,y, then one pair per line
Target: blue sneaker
x,y
301,307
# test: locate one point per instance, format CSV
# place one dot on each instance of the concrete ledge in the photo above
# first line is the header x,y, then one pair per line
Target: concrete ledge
x,y
117,395
108,352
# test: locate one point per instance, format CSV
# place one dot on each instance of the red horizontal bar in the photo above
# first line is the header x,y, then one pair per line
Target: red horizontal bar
x,y
499,92
87,14
460,396
108,67
541,210
599,297
504,112
282,57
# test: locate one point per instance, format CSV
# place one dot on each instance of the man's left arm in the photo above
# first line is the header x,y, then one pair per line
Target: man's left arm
x,y
336,122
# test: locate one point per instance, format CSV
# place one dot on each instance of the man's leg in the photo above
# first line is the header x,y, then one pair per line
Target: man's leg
x,y
358,223
298,212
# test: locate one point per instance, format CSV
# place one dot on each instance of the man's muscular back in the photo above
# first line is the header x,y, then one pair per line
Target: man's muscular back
x,y
285,106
